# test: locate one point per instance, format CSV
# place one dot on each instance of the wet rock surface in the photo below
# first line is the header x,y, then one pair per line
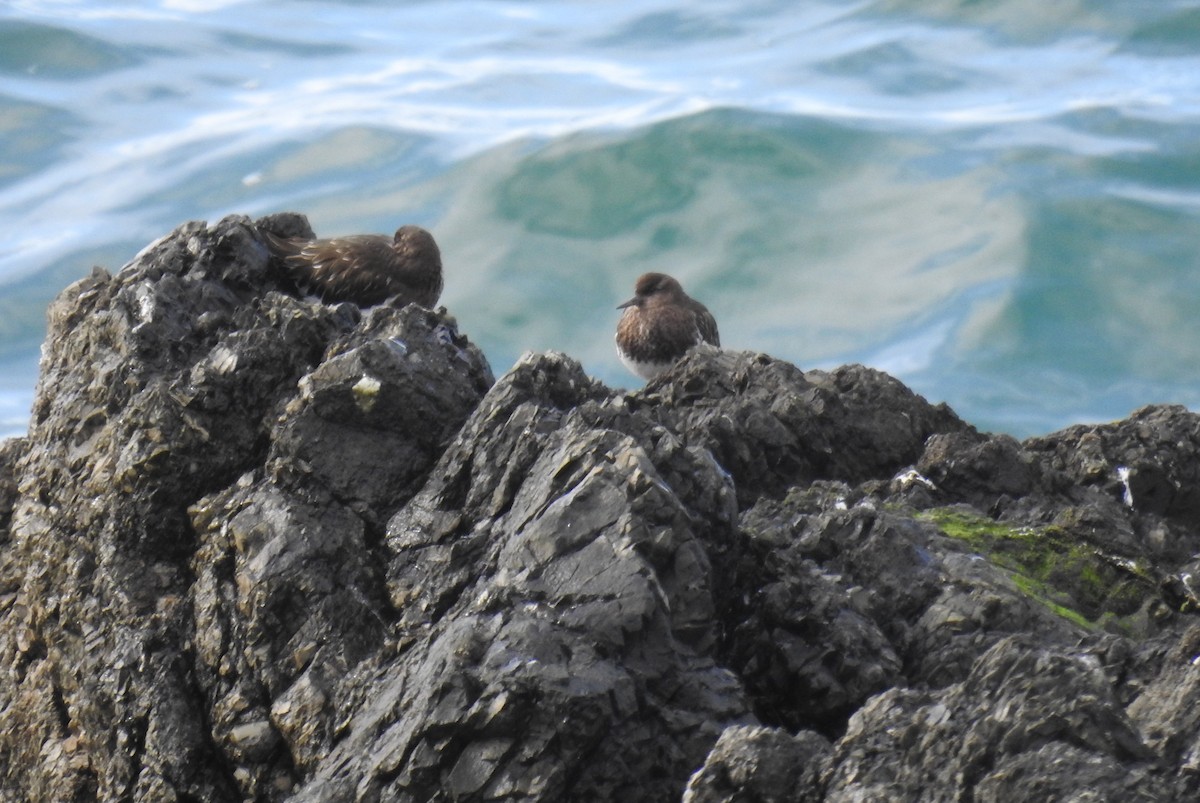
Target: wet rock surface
x,y
258,547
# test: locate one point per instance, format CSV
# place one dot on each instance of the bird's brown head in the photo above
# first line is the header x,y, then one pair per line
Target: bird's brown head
x,y
416,242
653,285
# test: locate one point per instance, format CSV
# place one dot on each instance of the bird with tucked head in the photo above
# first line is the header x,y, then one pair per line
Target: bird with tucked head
x,y
365,268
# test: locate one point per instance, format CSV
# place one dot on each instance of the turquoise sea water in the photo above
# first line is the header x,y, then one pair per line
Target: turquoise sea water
x,y
996,202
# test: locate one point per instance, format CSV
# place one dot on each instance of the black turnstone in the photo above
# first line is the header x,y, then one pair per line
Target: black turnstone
x,y
659,325
365,268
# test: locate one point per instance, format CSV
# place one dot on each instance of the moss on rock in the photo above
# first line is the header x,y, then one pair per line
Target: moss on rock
x,y
1076,580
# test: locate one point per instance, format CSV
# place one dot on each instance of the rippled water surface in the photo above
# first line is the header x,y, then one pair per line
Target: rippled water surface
x,y
996,202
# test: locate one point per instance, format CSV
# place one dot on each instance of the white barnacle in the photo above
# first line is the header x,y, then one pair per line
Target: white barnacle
x,y
306,387
366,391
1123,476
145,303
223,360
911,477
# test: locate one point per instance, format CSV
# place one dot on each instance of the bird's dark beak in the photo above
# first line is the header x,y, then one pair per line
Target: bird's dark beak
x,y
630,303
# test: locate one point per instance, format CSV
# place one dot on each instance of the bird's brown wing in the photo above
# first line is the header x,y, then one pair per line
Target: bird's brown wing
x,y
352,268
288,253
341,256
707,325
363,268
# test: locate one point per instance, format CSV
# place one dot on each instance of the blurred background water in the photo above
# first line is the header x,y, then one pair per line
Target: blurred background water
x,y
995,202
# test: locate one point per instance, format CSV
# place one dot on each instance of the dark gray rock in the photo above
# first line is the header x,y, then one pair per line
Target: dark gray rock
x,y
985,471
11,452
160,385
807,645
774,427
1146,468
1165,710
257,547
559,603
1150,461
371,420
1028,723
753,764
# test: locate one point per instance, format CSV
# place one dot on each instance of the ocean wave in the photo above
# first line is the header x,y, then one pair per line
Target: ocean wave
x,y
913,184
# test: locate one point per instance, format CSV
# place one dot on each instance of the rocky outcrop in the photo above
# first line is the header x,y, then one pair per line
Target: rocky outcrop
x,y
257,547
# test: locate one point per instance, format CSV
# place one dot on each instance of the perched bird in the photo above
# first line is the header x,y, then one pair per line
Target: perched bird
x,y
365,268
659,325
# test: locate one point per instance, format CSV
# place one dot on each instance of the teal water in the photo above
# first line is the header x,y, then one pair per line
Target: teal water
x,y
995,202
